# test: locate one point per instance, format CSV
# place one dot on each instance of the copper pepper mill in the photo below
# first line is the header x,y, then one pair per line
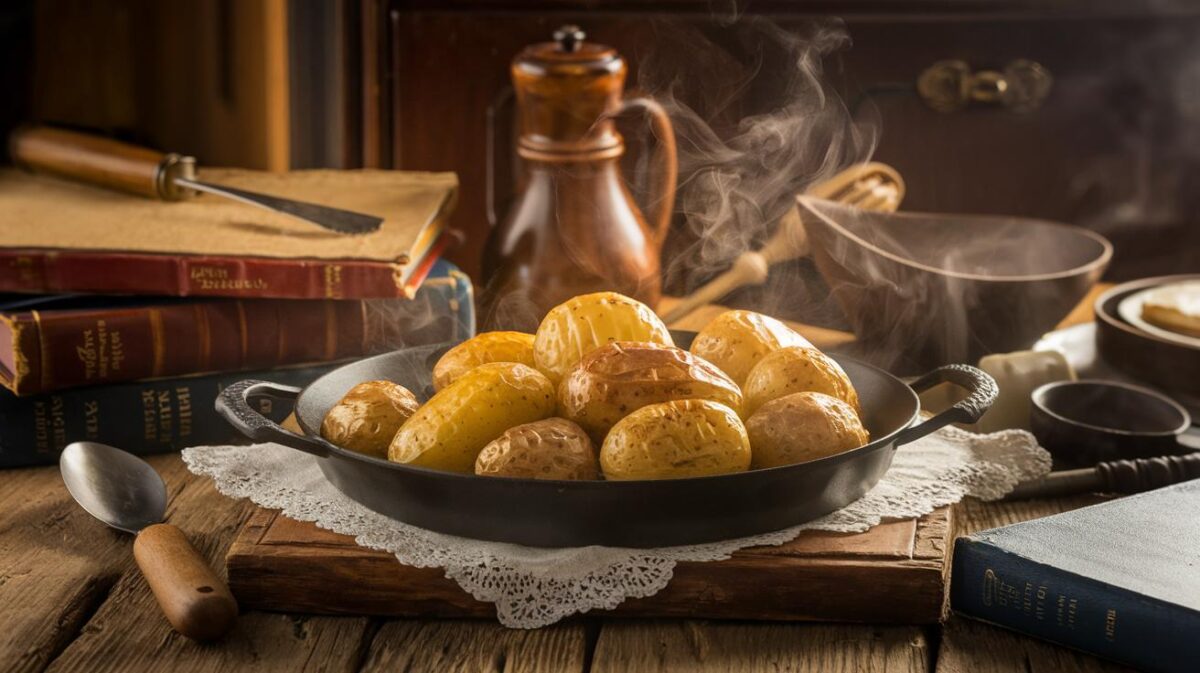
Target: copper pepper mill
x,y
574,227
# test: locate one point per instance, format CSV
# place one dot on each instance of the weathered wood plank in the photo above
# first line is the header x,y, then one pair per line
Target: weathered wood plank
x,y
974,647
474,646
700,647
57,565
68,562
894,573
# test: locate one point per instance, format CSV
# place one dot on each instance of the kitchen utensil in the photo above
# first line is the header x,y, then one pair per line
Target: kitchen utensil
x,y
544,513
1120,476
1085,422
145,172
1165,363
924,289
871,186
124,492
1130,310
575,228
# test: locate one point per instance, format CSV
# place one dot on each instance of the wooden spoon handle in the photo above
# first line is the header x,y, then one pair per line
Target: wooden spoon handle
x,y
99,161
196,602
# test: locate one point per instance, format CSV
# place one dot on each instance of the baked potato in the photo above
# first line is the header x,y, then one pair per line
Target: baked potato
x,y
736,340
795,369
450,430
554,448
801,427
675,440
623,376
582,324
367,417
482,349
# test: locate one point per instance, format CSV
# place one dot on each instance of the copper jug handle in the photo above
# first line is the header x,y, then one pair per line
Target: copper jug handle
x,y
665,132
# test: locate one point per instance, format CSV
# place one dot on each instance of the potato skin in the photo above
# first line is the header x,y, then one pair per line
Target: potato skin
x,y
480,350
554,448
614,380
676,440
367,417
450,430
801,427
796,370
736,340
582,324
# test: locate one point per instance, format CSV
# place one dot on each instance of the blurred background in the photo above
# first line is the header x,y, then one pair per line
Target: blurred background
x,y
1077,111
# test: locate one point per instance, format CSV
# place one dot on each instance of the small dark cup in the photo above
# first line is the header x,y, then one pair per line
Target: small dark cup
x,y
1082,423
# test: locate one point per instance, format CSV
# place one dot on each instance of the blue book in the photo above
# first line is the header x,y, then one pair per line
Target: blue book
x,y
1119,580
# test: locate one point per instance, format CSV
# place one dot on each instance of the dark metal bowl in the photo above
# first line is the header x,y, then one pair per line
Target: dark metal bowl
x,y
921,289
544,513
1082,423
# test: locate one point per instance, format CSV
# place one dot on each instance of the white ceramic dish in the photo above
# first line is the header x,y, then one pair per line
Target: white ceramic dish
x,y
1130,310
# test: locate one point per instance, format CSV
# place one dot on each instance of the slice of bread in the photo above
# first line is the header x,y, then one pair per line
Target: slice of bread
x,y
1174,307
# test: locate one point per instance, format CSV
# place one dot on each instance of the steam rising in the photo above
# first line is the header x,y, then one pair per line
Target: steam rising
x,y
756,122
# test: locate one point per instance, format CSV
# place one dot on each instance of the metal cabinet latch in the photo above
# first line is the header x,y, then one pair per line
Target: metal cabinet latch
x,y
949,86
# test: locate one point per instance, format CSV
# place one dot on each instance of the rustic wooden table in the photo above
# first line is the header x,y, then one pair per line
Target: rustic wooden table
x,y
71,599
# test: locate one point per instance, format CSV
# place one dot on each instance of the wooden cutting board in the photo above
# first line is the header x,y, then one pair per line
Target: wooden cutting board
x,y
894,573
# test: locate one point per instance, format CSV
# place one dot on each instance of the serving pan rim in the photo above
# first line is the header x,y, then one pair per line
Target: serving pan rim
x,y
885,441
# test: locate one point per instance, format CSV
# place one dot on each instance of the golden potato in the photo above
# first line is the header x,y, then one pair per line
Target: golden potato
x,y
367,417
796,370
551,449
582,324
480,350
614,380
802,426
736,340
674,440
448,432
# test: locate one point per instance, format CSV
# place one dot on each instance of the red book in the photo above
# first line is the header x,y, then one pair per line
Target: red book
x,y
53,343
60,236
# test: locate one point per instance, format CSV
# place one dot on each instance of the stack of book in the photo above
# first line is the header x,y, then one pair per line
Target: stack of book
x,y
121,318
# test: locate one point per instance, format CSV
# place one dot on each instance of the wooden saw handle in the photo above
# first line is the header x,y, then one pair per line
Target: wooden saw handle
x,y
196,602
100,161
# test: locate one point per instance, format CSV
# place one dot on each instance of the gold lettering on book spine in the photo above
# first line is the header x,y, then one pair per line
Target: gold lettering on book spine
x,y
333,281
205,277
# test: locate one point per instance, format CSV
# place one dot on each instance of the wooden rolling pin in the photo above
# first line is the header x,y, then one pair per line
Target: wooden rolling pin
x,y
1118,476
870,186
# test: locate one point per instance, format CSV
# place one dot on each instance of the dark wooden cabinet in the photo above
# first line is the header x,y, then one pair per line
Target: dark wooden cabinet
x,y
1114,147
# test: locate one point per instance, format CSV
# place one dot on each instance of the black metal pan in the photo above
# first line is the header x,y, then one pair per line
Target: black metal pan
x,y
544,513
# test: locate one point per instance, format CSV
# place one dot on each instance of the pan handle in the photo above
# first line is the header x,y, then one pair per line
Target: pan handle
x,y
234,406
982,389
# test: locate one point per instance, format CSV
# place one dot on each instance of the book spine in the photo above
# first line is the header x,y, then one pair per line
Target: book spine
x,y
62,349
143,418
206,276
1005,589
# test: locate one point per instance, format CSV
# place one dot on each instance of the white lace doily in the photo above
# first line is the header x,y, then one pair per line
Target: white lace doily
x,y
534,587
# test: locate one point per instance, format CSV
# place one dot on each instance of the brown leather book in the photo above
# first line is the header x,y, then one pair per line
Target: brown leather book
x,y
94,340
62,236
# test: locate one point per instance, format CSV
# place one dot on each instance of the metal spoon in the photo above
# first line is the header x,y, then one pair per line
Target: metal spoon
x,y
124,492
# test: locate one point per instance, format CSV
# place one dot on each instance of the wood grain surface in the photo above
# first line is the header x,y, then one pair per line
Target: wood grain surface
x,y
71,599
894,573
